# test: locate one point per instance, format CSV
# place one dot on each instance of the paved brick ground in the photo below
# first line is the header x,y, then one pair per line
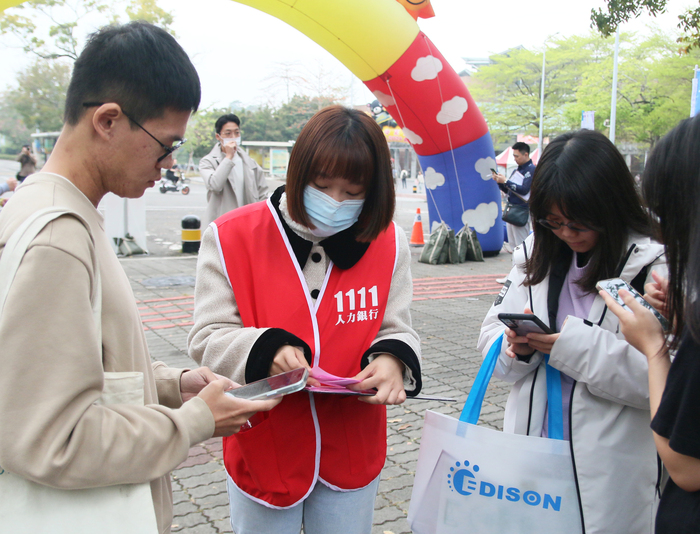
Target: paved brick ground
x,y
447,314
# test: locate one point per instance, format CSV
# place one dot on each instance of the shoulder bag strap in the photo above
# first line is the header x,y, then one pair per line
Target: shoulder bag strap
x,y
472,408
20,240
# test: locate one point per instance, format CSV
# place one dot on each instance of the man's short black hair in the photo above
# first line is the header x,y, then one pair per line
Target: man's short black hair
x,y
229,117
137,65
523,148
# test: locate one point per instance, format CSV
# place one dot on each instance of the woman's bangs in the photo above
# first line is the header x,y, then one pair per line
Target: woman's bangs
x,y
571,200
352,161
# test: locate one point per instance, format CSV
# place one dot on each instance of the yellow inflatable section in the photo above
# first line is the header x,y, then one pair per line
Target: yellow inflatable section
x,y
367,36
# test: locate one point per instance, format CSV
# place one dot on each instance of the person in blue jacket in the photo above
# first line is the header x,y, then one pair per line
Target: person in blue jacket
x,y
517,187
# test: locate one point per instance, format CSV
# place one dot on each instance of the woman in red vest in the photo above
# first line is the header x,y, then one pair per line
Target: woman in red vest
x,y
318,276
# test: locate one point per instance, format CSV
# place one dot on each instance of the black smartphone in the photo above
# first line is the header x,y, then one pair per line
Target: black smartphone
x,y
524,323
494,171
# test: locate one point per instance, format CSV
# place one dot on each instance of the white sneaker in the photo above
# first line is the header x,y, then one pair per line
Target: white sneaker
x,y
502,280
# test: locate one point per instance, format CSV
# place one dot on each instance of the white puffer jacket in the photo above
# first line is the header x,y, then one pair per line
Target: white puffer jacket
x,y
614,457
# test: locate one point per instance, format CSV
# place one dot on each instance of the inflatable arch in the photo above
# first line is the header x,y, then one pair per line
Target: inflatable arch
x,y
420,90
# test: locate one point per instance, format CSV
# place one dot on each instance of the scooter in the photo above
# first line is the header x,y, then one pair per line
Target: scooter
x,y
171,183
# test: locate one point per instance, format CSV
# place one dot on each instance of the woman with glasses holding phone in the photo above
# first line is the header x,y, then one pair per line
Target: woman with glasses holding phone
x,y
590,225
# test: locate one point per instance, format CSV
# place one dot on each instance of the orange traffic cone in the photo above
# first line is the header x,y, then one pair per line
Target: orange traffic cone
x,y
417,233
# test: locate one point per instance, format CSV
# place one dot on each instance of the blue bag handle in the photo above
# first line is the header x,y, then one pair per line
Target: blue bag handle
x,y
472,408
475,399
555,410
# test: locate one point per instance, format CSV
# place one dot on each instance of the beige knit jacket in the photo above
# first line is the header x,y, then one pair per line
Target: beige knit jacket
x,y
51,430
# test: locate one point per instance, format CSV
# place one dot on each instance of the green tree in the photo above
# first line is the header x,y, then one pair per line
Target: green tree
x,y
12,129
40,95
200,132
297,112
619,11
654,86
49,29
508,90
52,29
259,124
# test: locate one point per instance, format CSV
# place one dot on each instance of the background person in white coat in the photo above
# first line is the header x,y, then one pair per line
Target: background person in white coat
x,y
232,178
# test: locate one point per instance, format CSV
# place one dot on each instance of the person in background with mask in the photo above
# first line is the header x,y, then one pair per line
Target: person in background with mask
x,y
27,161
316,277
231,177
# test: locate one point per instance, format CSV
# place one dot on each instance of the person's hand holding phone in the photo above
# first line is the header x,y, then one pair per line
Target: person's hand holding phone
x,y
195,380
498,176
518,345
231,413
641,328
656,293
541,342
526,345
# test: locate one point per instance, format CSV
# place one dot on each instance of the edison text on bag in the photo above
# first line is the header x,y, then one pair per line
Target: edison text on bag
x,y
462,479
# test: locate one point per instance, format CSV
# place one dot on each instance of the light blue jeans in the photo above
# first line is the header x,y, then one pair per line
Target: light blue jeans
x,y
323,512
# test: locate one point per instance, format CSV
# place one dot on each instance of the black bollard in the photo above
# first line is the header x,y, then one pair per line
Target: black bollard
x,y
191,233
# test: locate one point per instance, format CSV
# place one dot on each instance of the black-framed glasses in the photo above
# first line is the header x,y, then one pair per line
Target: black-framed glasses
x,y
551,225
168,149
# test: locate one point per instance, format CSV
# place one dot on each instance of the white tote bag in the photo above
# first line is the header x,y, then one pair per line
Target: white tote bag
x,y
475,479
27,507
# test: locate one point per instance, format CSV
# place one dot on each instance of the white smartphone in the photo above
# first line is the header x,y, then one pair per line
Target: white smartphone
x,y
273,386
612,287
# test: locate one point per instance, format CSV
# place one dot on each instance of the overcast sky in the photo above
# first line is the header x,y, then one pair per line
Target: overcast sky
x,y
237,49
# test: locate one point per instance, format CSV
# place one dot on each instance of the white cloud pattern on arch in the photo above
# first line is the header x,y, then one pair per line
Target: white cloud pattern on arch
x,y
482,218
426,68
452,110
412,136
483,166
384,99
433,179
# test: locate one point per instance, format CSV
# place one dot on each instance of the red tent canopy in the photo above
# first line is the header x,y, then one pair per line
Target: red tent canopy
x,y
505,158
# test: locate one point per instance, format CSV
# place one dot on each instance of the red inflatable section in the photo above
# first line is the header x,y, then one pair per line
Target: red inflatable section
x,y
431,98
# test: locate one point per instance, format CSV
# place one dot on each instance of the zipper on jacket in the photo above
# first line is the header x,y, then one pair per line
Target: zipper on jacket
x,y
573,458
532,305
532,395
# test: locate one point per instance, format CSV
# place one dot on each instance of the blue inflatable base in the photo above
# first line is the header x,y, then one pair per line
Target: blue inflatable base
x,y
479,204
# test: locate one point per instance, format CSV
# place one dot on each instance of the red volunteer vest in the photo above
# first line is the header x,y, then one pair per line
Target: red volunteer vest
x,y
337,438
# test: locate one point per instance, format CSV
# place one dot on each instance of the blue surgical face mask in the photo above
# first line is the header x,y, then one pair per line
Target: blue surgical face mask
x,y
327,214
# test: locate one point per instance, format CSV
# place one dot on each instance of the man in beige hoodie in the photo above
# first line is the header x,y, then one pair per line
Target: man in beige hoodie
x,y
130,97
